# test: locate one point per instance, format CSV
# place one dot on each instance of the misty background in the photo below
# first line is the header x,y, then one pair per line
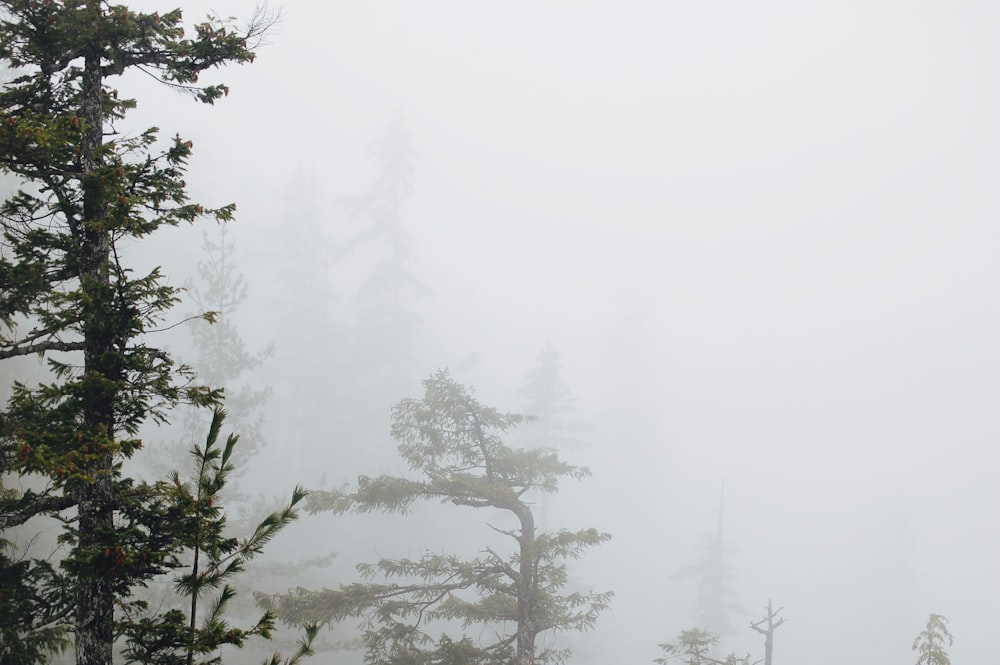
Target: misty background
x,y
761,238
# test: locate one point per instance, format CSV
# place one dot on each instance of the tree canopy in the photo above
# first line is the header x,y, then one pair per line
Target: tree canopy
x,y
455,447
67,294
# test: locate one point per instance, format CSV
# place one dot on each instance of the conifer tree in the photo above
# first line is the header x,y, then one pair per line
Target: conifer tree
x,y
454,445
695,647
67,294
378,359
714,574
306,390
223,358
209,557
386,326
932,642
549,401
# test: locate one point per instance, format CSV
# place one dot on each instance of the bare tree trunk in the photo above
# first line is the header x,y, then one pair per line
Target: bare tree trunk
x,y
768,632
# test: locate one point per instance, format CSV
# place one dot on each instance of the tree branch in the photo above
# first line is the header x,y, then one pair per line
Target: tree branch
x,y
32,505
40,347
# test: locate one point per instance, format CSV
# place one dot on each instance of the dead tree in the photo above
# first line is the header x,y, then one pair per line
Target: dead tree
x,y
768,632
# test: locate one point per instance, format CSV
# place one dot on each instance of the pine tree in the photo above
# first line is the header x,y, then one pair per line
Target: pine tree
x,y
380,330
223,358
307,387
549,401
714,575
695,647
66,293
454,444
386,327
193,515
932,642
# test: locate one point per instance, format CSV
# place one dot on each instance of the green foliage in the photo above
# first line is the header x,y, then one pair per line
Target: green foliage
x,y
932,642
455,446
694,647
33,611
198,532
65,294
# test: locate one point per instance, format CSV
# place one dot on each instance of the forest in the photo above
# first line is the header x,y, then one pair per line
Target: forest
x,y
432,336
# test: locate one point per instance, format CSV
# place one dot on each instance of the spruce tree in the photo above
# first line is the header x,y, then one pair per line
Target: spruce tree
x,y
455,446
933,641
695,646
67,294
549,401
714,573
223,358
384,342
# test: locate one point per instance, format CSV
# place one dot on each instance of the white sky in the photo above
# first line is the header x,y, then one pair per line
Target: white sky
x,y
763,235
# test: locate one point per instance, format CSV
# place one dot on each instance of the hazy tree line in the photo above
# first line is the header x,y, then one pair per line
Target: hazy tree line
x,y
109,554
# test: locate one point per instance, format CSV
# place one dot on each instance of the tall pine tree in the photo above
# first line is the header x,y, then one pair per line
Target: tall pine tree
x,y
67,294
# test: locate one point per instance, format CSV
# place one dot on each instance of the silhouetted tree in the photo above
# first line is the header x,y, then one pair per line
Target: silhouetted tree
x,y
714,575
455,446
310,387
223,360
550,403
385,330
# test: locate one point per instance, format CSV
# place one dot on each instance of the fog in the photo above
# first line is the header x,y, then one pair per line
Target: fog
x,y
760,236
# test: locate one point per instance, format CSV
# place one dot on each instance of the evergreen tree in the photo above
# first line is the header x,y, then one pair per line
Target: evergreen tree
x,y
714,575
386,327
306,394
695,647
380,327
549,402
66,293
223,359
932,642
192,512
455,446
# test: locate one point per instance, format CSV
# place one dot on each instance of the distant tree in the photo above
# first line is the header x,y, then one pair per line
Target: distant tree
x,y
932,642
379,332
308,386
550,403
714,574
695,647
223,358
455,446
386,324
766,627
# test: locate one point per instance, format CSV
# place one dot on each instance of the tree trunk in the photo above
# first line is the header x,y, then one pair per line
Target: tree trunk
x,y
527,597
102,371
768,632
